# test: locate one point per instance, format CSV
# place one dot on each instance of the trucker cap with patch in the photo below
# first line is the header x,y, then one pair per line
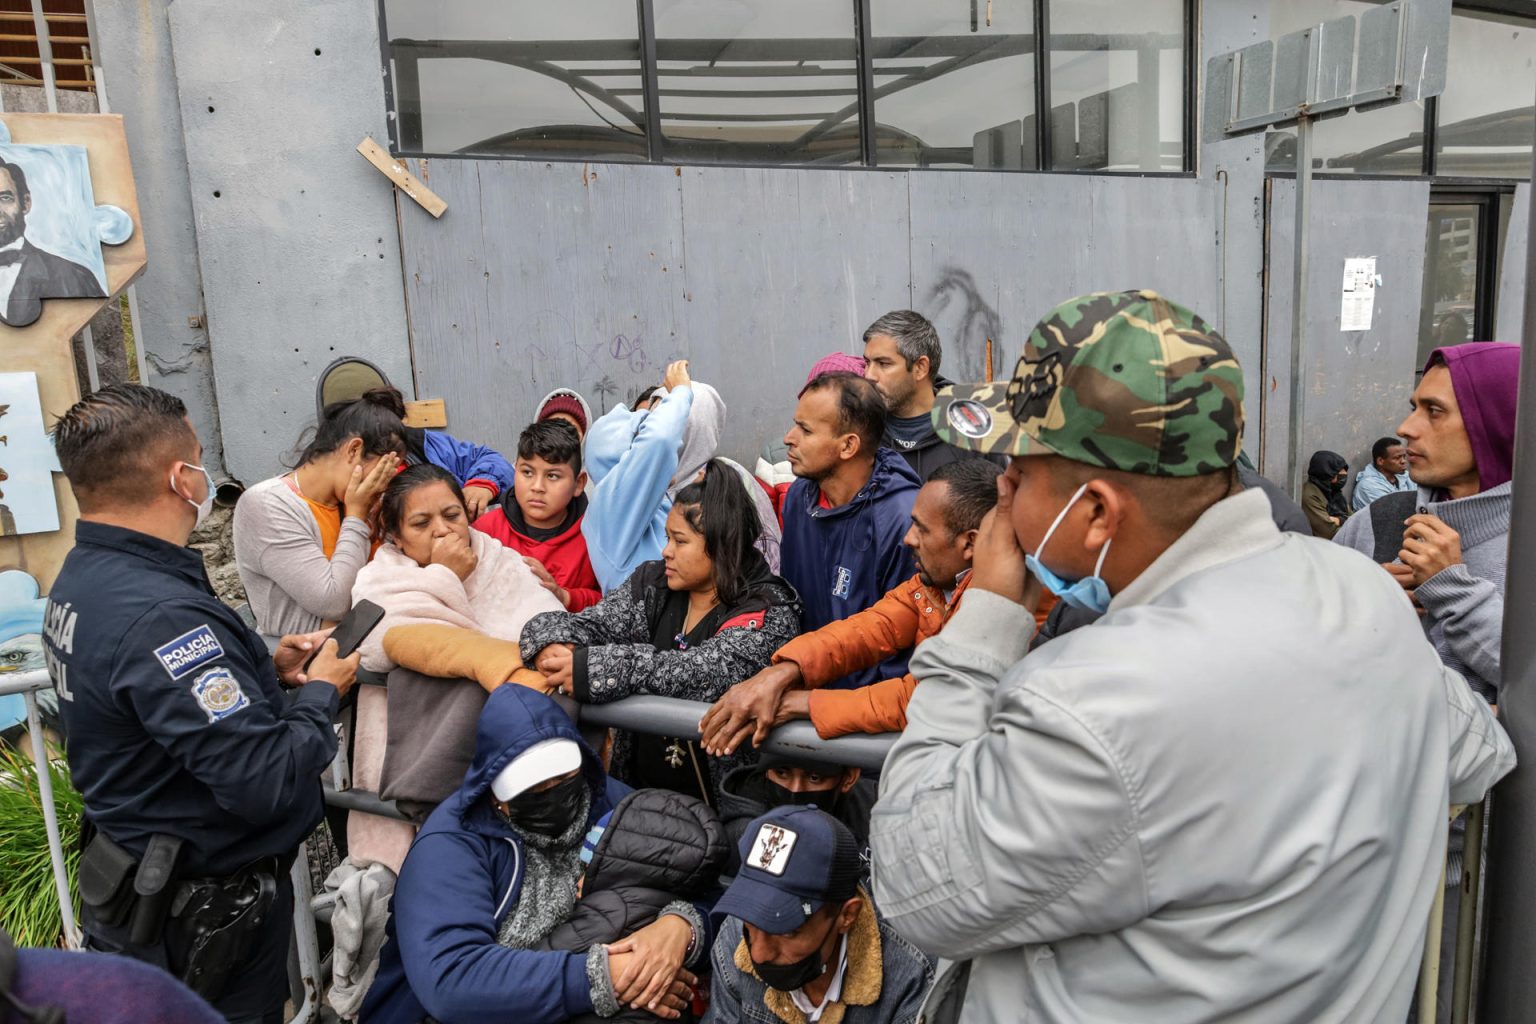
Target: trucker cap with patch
x,y
1123,380
793,861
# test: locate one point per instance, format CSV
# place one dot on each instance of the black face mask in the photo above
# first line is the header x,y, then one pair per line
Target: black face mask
x,y
550,812
828,800
789,977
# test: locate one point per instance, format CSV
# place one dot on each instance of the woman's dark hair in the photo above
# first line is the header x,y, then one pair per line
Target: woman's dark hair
x,y
375,418
392,504
719,508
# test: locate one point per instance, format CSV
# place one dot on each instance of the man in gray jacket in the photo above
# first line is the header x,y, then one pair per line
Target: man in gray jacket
x,y
1193,809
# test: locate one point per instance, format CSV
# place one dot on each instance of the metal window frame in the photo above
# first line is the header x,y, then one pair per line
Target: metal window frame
x,y
868,136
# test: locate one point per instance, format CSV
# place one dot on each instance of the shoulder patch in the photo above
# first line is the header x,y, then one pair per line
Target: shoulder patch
x,y
188,652
218,693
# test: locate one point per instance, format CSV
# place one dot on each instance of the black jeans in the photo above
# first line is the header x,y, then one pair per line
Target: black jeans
x,y
257,988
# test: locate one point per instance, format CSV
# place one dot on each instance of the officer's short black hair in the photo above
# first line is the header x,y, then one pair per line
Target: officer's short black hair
x,y
860,409
972,492
117,445
1382,446
555,441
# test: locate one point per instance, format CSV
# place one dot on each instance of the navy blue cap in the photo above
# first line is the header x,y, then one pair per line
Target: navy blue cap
x,y
793,860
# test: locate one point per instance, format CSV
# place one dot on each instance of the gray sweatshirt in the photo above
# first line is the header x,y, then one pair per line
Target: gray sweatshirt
x,y
292,586
1464,604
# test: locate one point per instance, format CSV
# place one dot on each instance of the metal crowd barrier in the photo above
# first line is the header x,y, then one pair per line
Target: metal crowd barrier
x,y
665,716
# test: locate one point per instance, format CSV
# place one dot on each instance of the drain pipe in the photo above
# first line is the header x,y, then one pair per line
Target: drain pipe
x,y
227,491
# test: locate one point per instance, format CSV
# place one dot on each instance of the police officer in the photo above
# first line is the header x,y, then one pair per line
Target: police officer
x,y
201,777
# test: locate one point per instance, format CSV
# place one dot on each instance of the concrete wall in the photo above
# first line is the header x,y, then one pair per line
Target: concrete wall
x,y
134,51
296,237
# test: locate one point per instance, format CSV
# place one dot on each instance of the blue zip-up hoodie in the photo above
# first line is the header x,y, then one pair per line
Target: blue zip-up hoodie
x,y
469,463
842,560
630,459
462,878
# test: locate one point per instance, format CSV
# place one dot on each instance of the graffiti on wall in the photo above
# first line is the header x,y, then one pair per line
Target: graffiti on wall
x,y
966,321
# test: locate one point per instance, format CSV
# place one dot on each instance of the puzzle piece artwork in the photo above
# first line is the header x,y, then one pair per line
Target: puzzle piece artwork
x,y
21,639
51,229
27,460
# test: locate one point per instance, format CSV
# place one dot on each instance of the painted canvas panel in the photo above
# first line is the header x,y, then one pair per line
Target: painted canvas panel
x,y
21,644
51,229
27,460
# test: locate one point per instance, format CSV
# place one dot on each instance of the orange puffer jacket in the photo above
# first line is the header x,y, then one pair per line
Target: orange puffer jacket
x,y
905,617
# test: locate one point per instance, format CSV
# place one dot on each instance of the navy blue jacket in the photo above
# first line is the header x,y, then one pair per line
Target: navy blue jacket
x,y
469,463
463,877
174,718
842,560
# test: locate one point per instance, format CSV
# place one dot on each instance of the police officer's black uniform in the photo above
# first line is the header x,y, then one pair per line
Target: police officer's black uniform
x,y
177,727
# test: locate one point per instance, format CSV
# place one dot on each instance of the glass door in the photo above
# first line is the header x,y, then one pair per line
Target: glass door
x,y
1460,272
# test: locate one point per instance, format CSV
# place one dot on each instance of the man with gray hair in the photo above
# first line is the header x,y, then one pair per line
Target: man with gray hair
x,y
901,359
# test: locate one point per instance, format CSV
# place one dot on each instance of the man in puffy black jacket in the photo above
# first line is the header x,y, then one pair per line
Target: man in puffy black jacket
x,y
657,852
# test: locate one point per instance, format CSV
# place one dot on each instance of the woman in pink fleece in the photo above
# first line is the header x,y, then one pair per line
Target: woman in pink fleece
x,y
455,601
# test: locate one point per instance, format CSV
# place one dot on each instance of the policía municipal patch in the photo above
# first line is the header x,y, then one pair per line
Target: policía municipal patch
x,y
190,651
218,693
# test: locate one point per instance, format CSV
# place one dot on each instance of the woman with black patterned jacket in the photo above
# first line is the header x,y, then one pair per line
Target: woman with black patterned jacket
x,y
705,617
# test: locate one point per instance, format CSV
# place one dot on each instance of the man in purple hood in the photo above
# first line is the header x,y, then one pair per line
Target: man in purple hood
x,y
1447,542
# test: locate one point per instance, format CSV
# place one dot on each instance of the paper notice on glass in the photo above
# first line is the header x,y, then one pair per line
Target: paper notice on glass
x,y
1359,293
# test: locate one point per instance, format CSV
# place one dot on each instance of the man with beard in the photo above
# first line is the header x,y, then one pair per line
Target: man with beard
x,y
801,938
942,537
29,274
901,359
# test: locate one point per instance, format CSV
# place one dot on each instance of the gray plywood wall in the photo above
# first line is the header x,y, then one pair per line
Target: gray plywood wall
x,y
594,276
1358,382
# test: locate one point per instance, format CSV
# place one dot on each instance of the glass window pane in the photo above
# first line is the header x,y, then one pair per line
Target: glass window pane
x,y
1117,85
1448,311
1387,140
1486,114
517,78
758,81
952,91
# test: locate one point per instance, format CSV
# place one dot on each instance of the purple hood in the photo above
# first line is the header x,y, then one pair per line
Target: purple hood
x,y
1486,378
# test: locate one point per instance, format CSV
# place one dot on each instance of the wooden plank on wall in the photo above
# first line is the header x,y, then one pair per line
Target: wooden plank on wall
x,y
404,180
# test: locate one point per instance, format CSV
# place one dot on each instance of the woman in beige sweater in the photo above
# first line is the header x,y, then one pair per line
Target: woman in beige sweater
x,y
302,537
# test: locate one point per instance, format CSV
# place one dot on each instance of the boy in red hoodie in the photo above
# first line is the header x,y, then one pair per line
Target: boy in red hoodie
x,y
543,522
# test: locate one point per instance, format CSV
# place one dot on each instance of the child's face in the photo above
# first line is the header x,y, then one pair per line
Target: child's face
x,y
544,490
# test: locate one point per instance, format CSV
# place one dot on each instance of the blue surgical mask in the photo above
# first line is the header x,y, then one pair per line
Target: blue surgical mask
x,y
1090,593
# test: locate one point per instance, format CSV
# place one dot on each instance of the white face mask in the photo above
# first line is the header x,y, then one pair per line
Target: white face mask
x,y
206,505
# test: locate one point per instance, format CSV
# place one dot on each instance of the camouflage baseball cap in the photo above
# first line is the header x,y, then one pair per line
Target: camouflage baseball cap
x,y
1123,380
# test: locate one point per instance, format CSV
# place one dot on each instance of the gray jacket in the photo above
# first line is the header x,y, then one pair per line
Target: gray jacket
x,y
1195,809
1464,605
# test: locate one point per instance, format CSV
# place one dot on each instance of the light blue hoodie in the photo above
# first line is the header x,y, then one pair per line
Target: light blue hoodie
x,y
630,458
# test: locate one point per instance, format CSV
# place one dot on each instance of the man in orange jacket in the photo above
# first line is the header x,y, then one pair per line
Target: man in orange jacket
x,y
945,518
